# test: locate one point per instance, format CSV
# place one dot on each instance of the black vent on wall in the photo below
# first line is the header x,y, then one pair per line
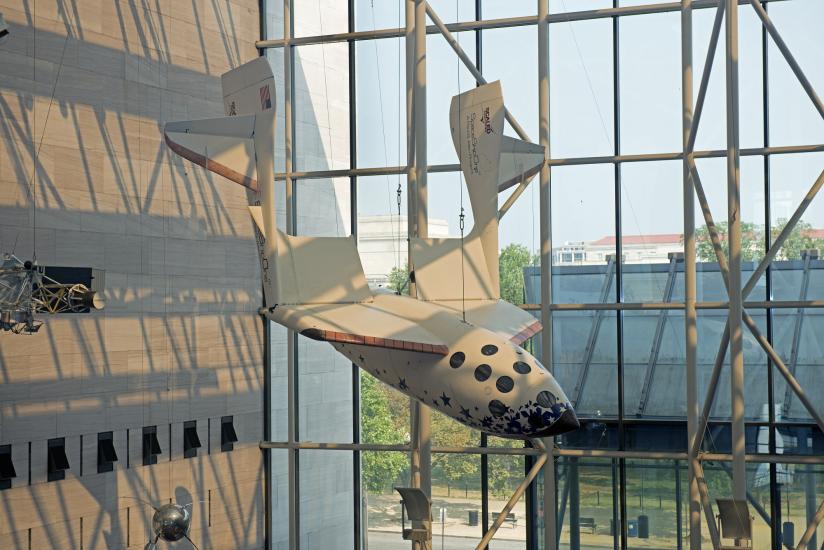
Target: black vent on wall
x,y
191,441
58,463
228,436
106,455
7,471
151,446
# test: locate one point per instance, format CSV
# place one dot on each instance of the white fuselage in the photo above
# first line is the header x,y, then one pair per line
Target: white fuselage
x,y
485,381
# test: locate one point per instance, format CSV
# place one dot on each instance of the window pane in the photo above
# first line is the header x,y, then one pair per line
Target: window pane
x,y
650,79
385,14
581,89
382,232
519,81
381,102
583,220
653,507
380,473
446,77
793,119
586,365
318,17
654,358
712,133
326,499
321,107
384,414
586,502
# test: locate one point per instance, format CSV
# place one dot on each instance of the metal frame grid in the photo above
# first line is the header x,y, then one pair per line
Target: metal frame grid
x,y
730,266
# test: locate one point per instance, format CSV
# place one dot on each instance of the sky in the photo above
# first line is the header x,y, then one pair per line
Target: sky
x,y
581,92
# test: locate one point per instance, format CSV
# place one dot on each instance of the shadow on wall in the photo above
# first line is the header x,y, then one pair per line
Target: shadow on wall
x,y
179,331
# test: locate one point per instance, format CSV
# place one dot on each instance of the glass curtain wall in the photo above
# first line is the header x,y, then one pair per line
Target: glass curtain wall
x,y
617,239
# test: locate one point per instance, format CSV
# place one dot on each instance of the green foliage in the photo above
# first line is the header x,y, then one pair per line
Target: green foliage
x,y
379,470
399,279
455,469
511,263
752,241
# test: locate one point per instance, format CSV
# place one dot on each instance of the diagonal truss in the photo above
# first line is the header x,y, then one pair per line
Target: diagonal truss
x,y
731,277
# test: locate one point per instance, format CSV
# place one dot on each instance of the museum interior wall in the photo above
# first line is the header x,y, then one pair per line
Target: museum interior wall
x,y
87,182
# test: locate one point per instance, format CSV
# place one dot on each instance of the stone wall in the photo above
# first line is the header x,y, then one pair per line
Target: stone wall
x,y
86,181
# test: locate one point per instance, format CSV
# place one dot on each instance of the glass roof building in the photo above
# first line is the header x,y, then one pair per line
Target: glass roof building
x,y
670,246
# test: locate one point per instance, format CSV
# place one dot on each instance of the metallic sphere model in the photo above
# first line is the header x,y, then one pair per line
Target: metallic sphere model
x,y
171,522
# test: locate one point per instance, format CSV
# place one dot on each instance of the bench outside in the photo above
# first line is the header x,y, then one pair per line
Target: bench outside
x,y
510,518
588,523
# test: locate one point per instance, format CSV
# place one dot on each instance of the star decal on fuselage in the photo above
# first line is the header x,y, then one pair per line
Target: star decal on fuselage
x,y
445,398
402,384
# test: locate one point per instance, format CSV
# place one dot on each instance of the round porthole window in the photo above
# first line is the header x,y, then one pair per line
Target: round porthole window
x,y
489,349
483,372
457,359
521,367
505,384
497,408
545,399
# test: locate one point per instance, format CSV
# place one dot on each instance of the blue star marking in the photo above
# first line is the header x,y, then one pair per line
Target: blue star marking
x,y
465,413
445,398
402,384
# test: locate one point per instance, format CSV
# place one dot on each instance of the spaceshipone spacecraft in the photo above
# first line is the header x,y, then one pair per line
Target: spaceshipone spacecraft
x,y
457,346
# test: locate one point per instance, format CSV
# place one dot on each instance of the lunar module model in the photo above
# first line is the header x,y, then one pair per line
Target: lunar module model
x,y
456,346
26,290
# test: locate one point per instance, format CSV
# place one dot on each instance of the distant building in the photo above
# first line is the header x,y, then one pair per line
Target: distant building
x,y
382,244
635,249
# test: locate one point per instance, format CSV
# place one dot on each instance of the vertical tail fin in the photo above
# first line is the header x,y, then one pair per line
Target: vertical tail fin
x,y
241,147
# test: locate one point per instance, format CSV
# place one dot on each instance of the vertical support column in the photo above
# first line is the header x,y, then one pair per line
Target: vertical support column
x,y
267,429
734,240
690,312
545,207
416,212
291,340
357,488
421,210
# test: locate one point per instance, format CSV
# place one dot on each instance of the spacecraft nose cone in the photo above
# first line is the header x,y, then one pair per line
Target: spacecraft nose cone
x,y
567,422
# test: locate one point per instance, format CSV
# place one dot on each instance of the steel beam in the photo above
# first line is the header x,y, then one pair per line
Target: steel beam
x,y
479,78
809,533
592,339
690,311
705,78
516,496
501,23
785,372
523,451
545,232
658,336
417,214
734,244
785,51
291,337
762,266
798,325
572,161
709,516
